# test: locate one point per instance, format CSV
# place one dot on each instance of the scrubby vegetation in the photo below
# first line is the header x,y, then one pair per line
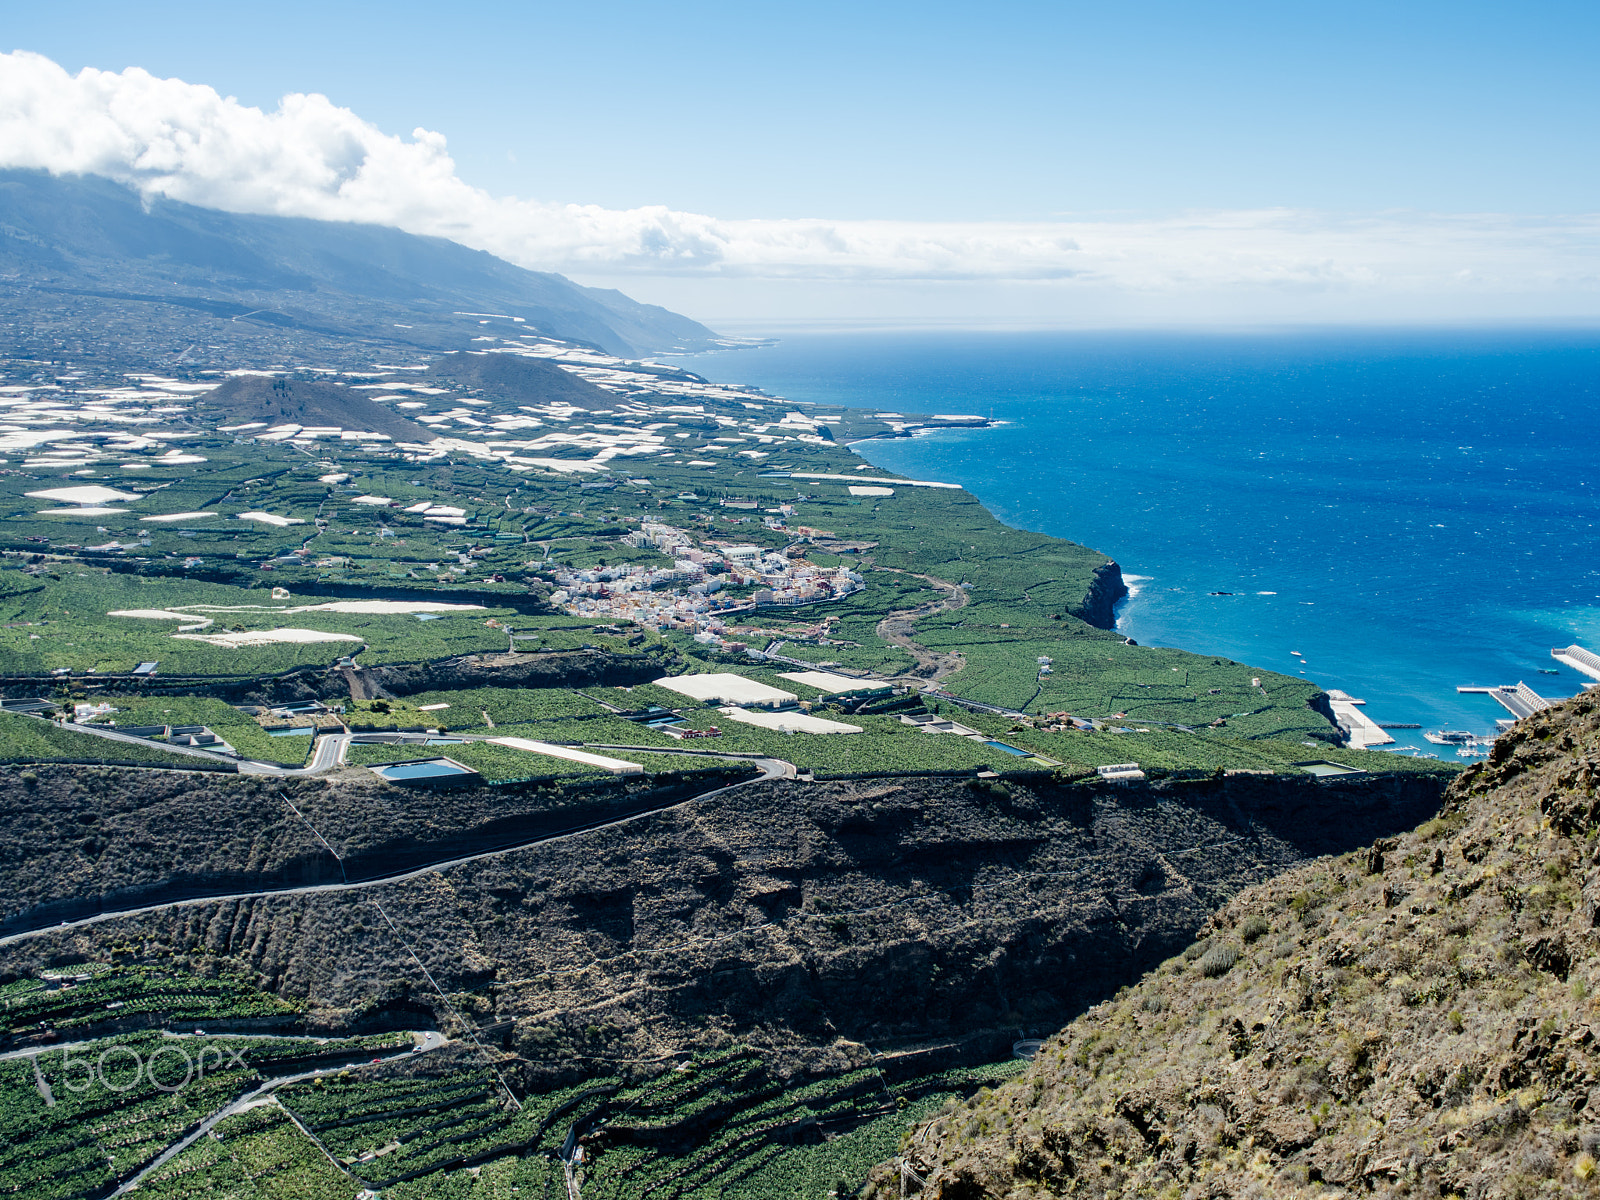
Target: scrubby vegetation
x,y
1412,1018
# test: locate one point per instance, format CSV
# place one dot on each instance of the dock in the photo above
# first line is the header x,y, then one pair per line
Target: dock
x,y
1585,662
1518,699
1362,730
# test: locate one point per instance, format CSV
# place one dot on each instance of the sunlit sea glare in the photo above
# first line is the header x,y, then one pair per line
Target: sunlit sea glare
x,y
1411,511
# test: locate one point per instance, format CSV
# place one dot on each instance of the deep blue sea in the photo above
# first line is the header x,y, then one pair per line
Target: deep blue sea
x,y
1411,511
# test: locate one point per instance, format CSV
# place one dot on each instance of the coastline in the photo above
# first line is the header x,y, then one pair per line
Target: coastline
x,y
1107,588
1251,465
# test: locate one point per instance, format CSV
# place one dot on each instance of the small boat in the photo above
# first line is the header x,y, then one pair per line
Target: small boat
x,y
1449,737
1297,654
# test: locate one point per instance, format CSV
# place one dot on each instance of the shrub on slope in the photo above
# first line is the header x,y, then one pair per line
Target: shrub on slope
x,y
1418,1018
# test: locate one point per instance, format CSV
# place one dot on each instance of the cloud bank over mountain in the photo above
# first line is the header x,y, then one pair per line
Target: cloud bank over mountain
x,y
311,158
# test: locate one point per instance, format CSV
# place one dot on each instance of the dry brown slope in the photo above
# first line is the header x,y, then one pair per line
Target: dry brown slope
x,y
1416,1019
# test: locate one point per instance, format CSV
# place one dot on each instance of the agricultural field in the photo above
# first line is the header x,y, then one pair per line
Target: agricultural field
x,y
241,732
1093,677
714,1125
497,764
1165,748
256,1153
91,1115
120,993
835,1167
385,1129
354,518
29,739
504,764
884,744
577,717
466,710
68,624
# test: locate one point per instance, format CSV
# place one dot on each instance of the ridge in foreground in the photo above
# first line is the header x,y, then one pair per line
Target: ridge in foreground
x,y
1413,1019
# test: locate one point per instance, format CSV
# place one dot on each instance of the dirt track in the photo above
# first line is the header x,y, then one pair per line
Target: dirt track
x,y
900,626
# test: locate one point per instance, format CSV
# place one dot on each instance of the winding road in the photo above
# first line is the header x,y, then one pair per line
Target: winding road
x,y
426,1040
326,752
430,1040
771,768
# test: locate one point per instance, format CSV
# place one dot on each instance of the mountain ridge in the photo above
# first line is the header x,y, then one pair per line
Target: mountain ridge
x,y
92,235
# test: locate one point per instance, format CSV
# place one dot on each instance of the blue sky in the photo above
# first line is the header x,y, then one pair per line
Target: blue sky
x,y
892,112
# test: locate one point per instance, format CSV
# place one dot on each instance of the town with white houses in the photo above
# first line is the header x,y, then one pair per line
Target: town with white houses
x,y
685,596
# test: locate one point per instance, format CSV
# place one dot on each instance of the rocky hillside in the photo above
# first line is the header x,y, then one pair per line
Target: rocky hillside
x,y
1417,1018
925,920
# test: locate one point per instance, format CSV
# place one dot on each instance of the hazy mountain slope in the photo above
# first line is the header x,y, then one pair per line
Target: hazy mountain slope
x,y
82,233
1413,1019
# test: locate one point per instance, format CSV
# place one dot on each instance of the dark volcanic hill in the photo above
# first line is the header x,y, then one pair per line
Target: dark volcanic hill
x,y
1417,1018
90,239
307,402
822,921
518,379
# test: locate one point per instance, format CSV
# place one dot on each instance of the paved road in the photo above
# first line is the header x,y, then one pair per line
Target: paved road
x,y
771,768
327,752
429,1041
113,736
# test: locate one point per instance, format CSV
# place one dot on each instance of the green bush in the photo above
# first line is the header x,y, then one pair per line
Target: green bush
x,y
1253,927
1219,960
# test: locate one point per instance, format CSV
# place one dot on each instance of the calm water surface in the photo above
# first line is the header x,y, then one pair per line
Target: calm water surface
x,y
1409,511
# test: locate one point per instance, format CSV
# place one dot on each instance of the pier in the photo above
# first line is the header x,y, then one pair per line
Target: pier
x,y
1363,731
1585,662
1518,699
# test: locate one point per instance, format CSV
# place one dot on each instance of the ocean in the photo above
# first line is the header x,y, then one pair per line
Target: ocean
x,y
1410,511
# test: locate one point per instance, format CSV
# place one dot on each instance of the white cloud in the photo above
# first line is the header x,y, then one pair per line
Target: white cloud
x,y
310,158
